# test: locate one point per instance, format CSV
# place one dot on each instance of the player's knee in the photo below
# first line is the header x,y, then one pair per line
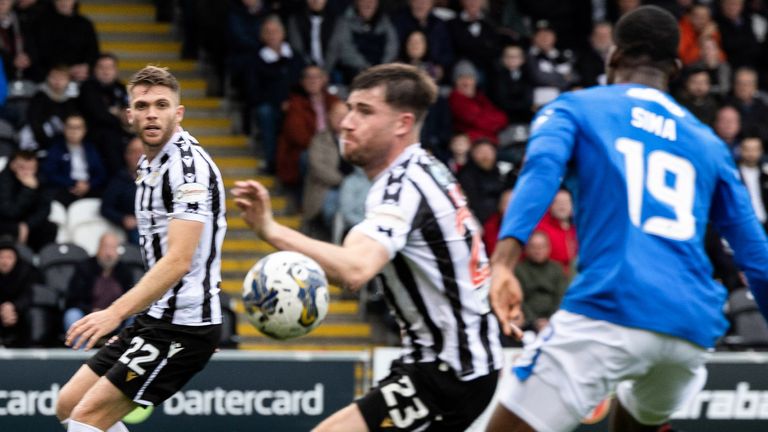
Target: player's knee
x,y
65,403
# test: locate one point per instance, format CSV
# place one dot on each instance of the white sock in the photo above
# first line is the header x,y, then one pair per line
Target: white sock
x,y
76,426
118,427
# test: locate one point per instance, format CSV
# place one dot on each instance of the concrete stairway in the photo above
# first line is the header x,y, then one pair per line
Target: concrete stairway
x,y
127,29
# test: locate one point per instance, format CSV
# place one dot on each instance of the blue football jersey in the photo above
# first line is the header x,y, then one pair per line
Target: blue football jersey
x,y
646,176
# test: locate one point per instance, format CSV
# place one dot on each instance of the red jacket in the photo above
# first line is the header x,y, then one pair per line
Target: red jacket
x,y
562,241
478,117
299,127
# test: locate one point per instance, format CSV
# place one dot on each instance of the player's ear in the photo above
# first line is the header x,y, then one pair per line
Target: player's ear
x,y
180,113
406,121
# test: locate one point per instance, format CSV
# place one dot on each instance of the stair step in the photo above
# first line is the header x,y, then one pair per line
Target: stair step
x,y
338,307
268,182
143,47
233,162
325,330
278,204
201,102
133,27
208,123
173,65
117,9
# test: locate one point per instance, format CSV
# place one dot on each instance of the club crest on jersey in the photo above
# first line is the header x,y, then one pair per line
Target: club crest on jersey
x,y
190,193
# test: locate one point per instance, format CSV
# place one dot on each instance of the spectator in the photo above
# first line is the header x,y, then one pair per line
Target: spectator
x,y
310,32
364,37
277,68
66,37
459,152
16,45
419,16
473,113
481,180
696,26
552,70
590,64
414,52
739,41
307,114
352,192
696,96
570,20
754,173
325,172
542,280
98,281
512,88
47,111
474,37
492,225
103,100
728,128
118,200
30,12
753,110
73,166
719,70
244,23
24,206
557,224
16,280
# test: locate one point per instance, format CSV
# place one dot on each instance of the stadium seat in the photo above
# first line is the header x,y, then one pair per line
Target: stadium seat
x,y
58,215
749,327
229,338
26,253
57,262
85,224
44,316
130,255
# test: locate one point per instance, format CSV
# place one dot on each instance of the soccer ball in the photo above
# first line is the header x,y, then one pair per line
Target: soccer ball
x,y
285,295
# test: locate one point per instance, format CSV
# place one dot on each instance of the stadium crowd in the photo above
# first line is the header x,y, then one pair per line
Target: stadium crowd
x,y
286,65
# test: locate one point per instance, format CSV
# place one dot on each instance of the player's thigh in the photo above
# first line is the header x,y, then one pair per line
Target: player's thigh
x,y
574,364
102,405
652,398
347,419
74,390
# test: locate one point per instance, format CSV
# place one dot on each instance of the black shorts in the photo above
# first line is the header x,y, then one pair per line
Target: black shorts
x,y
426,396
152,359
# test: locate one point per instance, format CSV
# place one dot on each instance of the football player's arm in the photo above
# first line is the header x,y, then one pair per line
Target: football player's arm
x,y
735,219
353,264
183,237
549,150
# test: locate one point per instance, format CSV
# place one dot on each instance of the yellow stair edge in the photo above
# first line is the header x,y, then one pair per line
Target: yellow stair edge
x,y
229,181
132,27
287,345
238,223
325,330
247,245
172,65
223,122
200,102
116,9
221,140
164,47
278,203
340,307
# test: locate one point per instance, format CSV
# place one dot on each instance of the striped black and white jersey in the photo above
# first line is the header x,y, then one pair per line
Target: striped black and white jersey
x,y
438,277
183,182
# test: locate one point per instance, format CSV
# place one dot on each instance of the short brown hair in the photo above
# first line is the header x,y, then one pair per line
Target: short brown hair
x,y
407,87
155,76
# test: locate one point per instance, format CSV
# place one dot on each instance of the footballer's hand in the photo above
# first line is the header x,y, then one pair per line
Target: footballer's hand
x,y
86,331
506,300
255,206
